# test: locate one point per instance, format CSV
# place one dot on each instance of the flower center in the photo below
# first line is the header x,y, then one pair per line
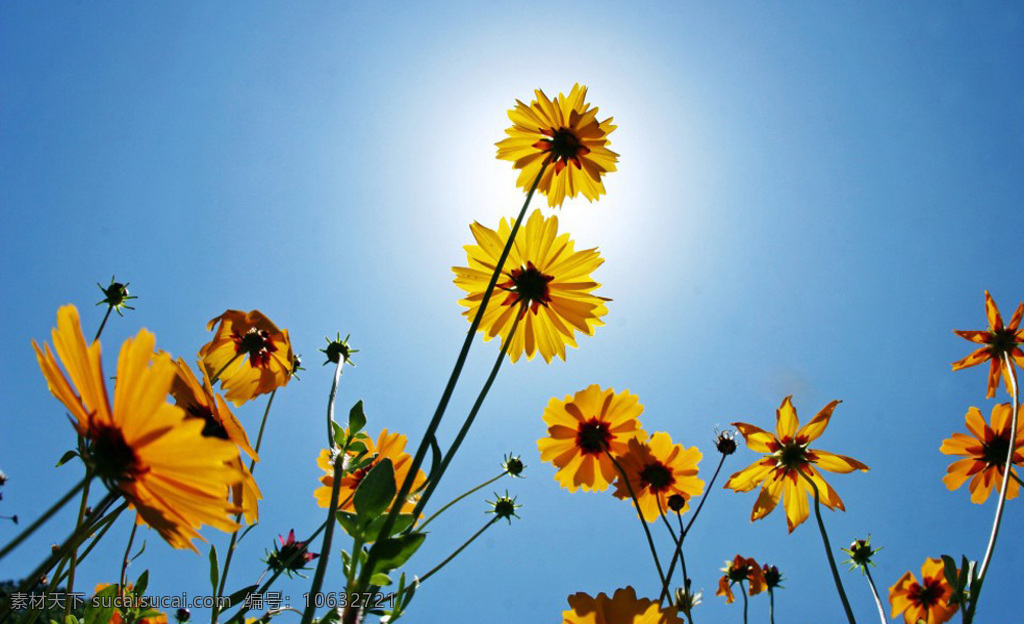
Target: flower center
x,y
1003,341
563,147
360,474
257,344
926,595
738,573
113,459
211,426
994,453
529,287
593,437
792,454
657,477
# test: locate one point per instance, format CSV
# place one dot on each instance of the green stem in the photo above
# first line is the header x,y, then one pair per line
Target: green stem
x,y
771,606
436,478
325,548
99,529
744,594
460,497
82,505
128,555
874,593
330,402
828,550
707,492
458,550
216,376
98,332
643,523
46,516
435,421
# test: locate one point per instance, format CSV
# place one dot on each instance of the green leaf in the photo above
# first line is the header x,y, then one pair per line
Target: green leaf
x,y
357,447
142,583
241,536
240,595
380,579
435,460
950,570
375,491
402,522
68,456
139,554
98,614
392,552
350,523
333,615
340,435
214,569
965,572
69,619
356,418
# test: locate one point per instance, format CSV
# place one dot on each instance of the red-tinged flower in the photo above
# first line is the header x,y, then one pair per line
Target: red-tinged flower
x,y
656,471
985,452
1001,342
249,355
738,570
291,556
927,601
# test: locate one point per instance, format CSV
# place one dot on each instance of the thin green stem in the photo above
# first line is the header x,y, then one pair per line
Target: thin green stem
x,y
82,506
771,606
435,421
643,523
217,375
743,593
1017,479
128,555
30,529
828,550
325,548
97,337
458,550
99,528
460,497
450,454
330,402
874,593
707,492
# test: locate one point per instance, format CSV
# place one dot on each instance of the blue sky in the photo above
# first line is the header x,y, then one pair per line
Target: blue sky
x,y
810,197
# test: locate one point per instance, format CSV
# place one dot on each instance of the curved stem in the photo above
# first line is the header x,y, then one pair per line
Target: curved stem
x,y
435,421
330,402
874,593
707,492
460,497
743,593
643,523
128,555
217,375
325,548
436,478
99,529
30,529
828,550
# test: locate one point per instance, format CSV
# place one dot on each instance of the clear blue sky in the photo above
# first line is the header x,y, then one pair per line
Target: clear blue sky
x,y
810,198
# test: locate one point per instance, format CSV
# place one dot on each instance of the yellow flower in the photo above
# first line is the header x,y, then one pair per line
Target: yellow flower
x,y
199,401
985,453
389,445
564,135
143,447
251,355
581,428
656,470
926,601
999,342
738,570
622,608
545,281
779,472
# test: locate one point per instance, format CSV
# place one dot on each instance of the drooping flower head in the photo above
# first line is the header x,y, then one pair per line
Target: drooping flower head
x,y
1000,342
583,429
772,576
788,457
622,608
389,445
926,601
291,556
544,281
564,135
738,570
985,453
249,355
142,447
656,471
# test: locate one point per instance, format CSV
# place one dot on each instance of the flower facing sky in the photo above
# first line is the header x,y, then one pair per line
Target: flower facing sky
x,y
656,470
565,135
622,608
142,447
737,571
1000,341
583,429
389,445
925,601
788,457
249,355
544,280
985,453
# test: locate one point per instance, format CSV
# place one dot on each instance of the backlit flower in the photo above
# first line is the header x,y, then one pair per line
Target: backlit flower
x,y
390,445
985,451
622,608
788,457
657,470
737,571
1000,342
544,280
249,355
142,447
925,601
583,429
291,556
565,135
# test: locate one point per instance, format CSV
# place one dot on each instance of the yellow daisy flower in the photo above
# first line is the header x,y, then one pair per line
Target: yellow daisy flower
x,y
788,455
581,428
199,401
564,138
985,453
249,355
390,445
1000,341
545,281
926,601
737,570
142,447
622,608
656,470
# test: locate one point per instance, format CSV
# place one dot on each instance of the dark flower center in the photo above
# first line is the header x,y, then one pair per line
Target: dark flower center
x,y
360,474
926,595
657,477
994,453
211,426
529,287
112,458
772,576
792,454
1002,341
257,344
738,573
593,437
563,147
